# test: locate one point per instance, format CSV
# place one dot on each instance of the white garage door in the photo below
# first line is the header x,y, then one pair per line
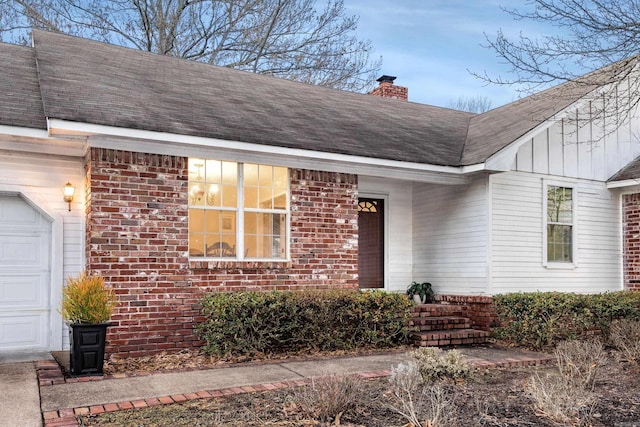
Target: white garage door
x,y
25,271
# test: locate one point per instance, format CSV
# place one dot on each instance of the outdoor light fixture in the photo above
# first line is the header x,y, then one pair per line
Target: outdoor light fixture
x,y
68,191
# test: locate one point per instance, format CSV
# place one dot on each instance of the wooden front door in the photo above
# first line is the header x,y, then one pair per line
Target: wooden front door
x,y
371,243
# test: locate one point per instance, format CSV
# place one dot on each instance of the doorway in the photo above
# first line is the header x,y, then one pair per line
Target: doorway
x,y
371,243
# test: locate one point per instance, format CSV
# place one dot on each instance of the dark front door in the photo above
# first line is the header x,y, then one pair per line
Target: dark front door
x,y
371,243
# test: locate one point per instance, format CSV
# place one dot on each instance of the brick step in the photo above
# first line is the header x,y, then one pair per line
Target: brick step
x,y
451,337
436,310
439,323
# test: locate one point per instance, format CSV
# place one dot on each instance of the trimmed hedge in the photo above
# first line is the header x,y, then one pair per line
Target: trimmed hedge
x,y
256,323
542,319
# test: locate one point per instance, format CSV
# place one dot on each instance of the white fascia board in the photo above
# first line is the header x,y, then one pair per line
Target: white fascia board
x,y
503,159
623,184
23,132
175,144
38,141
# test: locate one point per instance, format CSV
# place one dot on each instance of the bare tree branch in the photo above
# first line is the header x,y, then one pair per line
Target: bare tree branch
x,y
601,35
284,38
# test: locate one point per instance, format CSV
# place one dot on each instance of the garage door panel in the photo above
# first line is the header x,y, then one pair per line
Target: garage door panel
x,y
23,330
15,211
25,275
23,251
23,291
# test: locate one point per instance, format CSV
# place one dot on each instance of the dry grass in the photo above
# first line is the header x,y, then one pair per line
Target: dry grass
x,y
579,362
625,336
421,404
567,397
328,397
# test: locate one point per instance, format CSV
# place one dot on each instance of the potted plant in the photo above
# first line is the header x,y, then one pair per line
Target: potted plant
x,y
420,292
87,305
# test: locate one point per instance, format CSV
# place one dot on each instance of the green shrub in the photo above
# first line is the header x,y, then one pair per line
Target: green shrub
x,y
253,323
542,319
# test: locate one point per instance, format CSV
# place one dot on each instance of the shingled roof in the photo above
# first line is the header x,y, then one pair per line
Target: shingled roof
x,y
20,102
85,81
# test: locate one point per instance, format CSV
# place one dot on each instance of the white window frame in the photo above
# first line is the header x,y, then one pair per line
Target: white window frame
x,y
240,210
574,225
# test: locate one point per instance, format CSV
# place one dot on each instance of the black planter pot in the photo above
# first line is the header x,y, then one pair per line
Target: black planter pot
x,y
87,342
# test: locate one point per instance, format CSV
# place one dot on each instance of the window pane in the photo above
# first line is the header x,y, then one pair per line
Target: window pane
x,y
196,232
196,194
266,176
229,196
280,177
250,175
559,204
213,195
230,173
559,243
196,221
250,197
214,170
196,244
266,198
250,223
280,198
213,199
212,221
251,246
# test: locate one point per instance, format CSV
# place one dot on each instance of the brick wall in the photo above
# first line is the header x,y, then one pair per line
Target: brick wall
x,y
137,238
631,241
479,309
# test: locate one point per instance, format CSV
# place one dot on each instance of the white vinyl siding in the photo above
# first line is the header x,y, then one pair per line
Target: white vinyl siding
x,y
518,237
450,237
597,156
398,227
40,178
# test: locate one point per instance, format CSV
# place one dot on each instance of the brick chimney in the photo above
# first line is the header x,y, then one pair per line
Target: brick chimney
x,y
387,89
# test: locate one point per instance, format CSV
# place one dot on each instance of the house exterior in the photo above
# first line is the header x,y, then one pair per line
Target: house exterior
x,y
192,178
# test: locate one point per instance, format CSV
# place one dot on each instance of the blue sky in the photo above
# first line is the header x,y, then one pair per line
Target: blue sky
x,y
430,45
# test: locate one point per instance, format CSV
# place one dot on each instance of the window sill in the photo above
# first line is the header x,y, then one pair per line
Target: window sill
x,y
560,266
221,264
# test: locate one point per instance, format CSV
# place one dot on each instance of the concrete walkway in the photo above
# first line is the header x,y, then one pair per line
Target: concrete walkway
x,y
61,401
20,402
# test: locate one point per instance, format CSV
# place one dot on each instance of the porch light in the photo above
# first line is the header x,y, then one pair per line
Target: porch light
x,y
68,190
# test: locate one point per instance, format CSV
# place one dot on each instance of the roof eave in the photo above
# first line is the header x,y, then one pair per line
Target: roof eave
x,y
175,144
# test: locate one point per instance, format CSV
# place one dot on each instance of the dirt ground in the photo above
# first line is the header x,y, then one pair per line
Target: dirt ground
x,y
495,397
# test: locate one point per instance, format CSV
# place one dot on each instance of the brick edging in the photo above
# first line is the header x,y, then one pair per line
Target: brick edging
x,y
68,417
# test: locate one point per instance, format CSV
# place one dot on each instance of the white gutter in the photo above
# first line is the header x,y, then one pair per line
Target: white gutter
x,y
175,144
623,184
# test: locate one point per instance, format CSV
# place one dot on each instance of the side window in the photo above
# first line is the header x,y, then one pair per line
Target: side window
x,y
237,210
560,224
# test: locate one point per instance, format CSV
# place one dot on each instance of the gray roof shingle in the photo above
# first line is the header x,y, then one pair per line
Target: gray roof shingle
x,y
85,81
20,102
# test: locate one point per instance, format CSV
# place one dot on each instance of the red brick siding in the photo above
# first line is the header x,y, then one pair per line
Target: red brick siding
x,y
137,238
631,241
389,90
479,309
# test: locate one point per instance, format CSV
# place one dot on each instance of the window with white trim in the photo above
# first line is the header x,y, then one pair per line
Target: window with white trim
x,y
238,210
560,224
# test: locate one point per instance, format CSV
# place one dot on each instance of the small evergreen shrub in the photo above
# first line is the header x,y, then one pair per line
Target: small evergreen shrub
x,y
86,299
257,323
542,319
436,365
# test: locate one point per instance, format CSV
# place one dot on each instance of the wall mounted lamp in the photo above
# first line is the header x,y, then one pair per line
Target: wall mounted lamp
x,y
68,190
